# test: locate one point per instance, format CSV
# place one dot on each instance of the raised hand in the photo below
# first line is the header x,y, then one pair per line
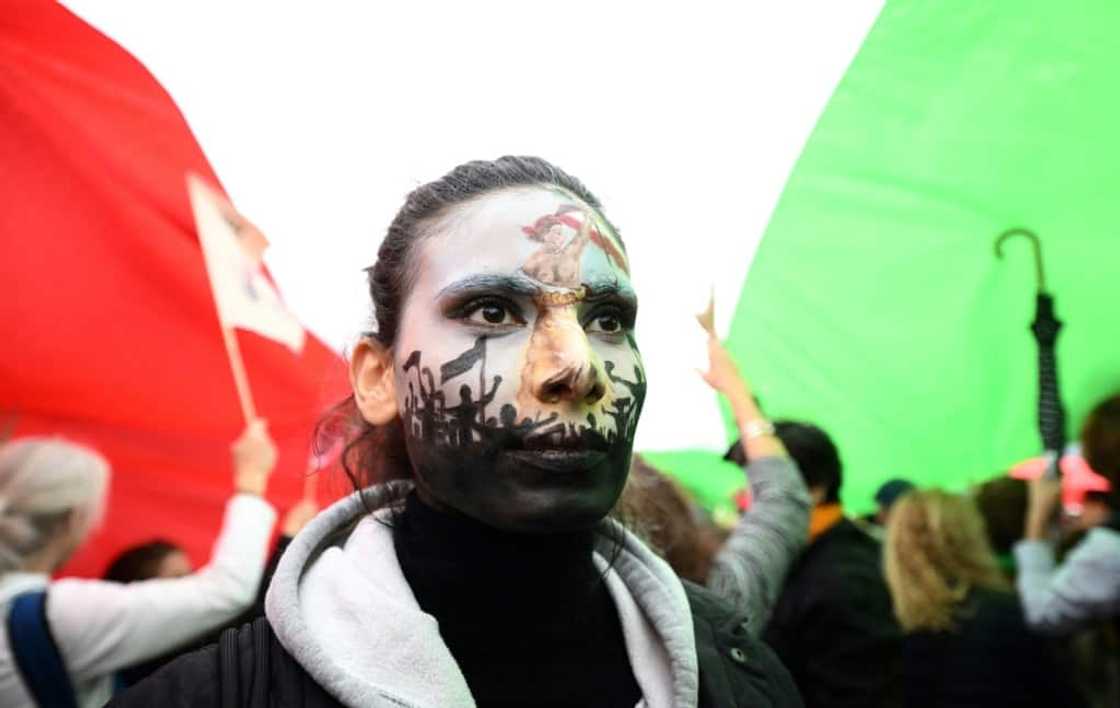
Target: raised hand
x,y
254,458
1044,496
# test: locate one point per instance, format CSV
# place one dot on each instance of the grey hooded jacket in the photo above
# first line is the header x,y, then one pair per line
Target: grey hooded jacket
x,y
343,628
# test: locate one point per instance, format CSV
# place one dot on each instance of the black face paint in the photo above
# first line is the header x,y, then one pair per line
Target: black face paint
x,y
518,473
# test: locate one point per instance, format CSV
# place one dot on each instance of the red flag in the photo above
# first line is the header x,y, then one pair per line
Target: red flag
x,y
111,335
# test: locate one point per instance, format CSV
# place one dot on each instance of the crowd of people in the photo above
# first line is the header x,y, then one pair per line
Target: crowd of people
x,y
524,557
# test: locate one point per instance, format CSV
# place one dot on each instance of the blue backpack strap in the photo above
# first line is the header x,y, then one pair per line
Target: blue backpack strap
x,y
36,655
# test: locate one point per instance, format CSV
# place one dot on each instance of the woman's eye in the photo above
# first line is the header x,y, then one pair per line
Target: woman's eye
x,y
607,324
492,314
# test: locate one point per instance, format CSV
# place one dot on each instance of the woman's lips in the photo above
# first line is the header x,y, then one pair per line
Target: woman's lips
x,y
559,459
565,438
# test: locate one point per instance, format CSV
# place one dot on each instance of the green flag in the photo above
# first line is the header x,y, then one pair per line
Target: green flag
x,y
874,305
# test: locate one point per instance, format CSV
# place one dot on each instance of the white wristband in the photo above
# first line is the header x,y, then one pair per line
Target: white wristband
x,y
754,429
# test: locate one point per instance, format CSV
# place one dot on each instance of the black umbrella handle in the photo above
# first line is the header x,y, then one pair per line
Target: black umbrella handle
x,y
1046,324
1039,272
1051,412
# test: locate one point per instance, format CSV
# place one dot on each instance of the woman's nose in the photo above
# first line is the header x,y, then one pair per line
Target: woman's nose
x,y
581,383
564,367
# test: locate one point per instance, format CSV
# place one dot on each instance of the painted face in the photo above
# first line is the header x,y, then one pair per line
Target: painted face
x,y
517,375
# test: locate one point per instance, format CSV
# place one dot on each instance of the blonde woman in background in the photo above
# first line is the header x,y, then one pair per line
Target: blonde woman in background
x,y
52,493
966,642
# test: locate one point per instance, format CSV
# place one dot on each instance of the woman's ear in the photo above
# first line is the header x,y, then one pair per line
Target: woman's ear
x,y
371,377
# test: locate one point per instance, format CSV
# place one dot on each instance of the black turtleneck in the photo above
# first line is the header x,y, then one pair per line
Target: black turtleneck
x,y
527,617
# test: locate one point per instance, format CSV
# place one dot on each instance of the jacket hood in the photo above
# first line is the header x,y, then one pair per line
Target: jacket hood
x,y
340,605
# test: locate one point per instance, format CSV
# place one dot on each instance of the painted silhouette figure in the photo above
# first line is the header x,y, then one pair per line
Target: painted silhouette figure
x,y
431,420
463,416
635,387
510,427
410,409
429,414
621,414
624,408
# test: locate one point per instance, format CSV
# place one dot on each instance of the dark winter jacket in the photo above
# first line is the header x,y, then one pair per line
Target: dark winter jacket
x,y
990,659
834,627
249,668
342,629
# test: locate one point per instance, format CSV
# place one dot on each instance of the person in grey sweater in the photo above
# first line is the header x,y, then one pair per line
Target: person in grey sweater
x,y
1085,588
751,567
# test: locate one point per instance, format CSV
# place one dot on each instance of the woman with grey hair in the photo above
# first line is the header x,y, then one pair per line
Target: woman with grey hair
x,y
52,493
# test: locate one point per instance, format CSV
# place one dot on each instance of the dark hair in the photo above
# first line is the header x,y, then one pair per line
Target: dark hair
x,y
1003,504
890,491
140,562
815,454
376,454
736,453
1100,441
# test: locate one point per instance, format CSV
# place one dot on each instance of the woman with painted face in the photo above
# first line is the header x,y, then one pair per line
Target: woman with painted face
x,y
496,405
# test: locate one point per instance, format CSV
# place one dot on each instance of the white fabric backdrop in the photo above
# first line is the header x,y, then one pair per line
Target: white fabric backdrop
x,y
320,117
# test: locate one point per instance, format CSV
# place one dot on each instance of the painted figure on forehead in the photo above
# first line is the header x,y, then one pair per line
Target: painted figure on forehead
x,y
563,236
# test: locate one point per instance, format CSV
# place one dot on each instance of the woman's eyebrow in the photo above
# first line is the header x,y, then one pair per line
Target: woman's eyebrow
x,y
516,284
612,288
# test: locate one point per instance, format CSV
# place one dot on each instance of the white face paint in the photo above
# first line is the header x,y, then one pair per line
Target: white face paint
x,y
515,359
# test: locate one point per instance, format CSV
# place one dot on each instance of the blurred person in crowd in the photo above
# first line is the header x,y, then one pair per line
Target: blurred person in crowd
x,y
885,497
154,559
748,563
496,403
656,508
1086,587
1096,511
751,565
1002,503
965,640
163,559
1091,653
874,524
833,626
52,493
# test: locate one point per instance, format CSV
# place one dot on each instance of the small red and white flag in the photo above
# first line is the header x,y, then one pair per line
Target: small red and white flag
x,y
233,248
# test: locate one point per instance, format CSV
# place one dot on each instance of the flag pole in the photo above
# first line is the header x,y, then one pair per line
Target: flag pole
x,y
311,485
240,378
